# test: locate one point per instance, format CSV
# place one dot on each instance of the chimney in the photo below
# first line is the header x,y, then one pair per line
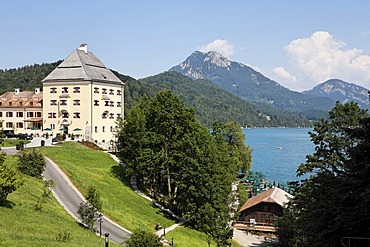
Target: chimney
x,y
16,91
37,90
83,47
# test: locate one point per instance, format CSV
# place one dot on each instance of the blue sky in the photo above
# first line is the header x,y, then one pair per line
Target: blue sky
x,y
297,43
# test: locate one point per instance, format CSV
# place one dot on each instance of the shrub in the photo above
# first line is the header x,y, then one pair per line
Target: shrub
x,y
31,163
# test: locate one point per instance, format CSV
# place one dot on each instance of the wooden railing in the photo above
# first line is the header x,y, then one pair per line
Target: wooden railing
x,y
258,226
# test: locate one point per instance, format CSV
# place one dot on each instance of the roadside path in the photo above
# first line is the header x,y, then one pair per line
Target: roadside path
x,y
70,198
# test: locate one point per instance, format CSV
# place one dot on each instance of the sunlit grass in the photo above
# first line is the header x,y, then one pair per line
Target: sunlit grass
x,y
22,225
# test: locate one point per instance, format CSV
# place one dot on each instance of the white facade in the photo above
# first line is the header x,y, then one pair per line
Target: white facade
x,y
83,97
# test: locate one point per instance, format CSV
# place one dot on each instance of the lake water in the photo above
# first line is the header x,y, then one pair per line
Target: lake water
x,y
277,152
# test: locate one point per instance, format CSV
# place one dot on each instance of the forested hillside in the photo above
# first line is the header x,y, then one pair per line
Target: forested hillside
x,y
211,103
26,78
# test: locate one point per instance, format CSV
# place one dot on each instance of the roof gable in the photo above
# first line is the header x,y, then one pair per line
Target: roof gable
x,y
273,195
81,65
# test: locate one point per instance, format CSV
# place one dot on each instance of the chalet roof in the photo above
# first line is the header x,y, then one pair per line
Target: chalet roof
x,y
82,65
273,195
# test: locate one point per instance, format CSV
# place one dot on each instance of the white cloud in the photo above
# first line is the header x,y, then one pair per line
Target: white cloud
x,y
283,74
320,57
219,45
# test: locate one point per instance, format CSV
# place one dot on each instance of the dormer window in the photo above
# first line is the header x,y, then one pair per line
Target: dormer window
x,y
10,103
31,103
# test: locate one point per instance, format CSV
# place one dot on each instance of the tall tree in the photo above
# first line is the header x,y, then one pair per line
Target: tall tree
x,y
333,202
32,163
179,162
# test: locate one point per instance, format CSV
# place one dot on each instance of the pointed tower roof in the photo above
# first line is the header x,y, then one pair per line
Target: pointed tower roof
x,y
82,65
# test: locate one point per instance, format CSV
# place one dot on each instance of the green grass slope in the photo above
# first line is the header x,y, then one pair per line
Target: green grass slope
x,y
22,225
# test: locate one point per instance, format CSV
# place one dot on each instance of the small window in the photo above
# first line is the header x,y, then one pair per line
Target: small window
x,y
104,115
103,129
20,103
119,104
111,91
111,128
76,102
104,91
1,103
19,125
111,116
31,103
64,89
53,102
10,103
52,126
96,129
19,114
52,115
53,90
111,103
38,114
9,125
76,89
106,103
96,102
65,114
9,114
76,115
63,102
118,115
1,114
118,92
96,90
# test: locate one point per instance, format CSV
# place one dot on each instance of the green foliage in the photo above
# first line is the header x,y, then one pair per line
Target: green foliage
x,y
25,78
64,236
88,214
32,163
180,163
88,211
93,197
8,179
211,103
141,238
333,202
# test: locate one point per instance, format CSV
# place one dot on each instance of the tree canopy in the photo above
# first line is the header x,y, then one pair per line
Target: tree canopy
x,y
181,163
334,201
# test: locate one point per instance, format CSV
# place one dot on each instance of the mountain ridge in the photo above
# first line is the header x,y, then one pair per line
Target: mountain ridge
x,y
246,83
342,91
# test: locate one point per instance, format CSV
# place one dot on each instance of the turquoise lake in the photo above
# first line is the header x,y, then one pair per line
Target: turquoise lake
x,y
277,152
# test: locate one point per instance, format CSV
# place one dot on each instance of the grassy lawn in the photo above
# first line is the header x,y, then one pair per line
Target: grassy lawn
x,y
183,237
11,142
120,203
22,225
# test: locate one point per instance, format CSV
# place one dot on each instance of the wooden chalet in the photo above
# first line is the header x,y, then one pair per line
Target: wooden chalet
x,y
260,212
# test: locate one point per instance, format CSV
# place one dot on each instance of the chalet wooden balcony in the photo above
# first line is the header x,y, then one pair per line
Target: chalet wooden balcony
x,y
258,226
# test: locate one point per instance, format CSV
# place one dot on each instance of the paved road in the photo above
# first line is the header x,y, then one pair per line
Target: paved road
x,y
70,198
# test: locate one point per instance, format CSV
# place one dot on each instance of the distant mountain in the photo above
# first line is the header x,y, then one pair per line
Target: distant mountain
x,y
342,91
246,83
210,102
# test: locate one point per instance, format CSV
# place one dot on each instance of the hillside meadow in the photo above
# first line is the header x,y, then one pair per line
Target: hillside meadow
x,y
87,167
22,225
